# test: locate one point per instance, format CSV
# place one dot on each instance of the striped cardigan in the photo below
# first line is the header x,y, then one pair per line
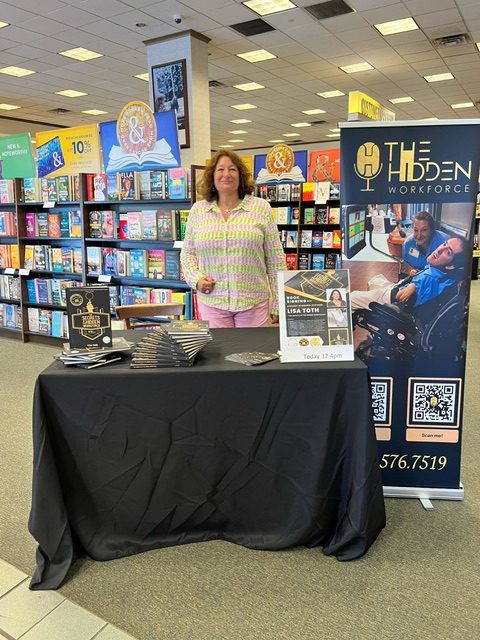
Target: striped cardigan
x,y
242,253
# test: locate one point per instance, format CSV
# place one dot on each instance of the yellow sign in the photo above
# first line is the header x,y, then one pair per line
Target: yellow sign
x,y
359,104
69,151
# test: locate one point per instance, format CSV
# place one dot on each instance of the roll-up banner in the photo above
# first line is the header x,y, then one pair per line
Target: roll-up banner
x,y
408,200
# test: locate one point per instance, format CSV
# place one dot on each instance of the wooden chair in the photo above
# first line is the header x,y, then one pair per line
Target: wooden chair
x,y
129,312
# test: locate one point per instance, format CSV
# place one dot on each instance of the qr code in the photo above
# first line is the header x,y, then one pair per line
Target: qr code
x,y
381,389
434,402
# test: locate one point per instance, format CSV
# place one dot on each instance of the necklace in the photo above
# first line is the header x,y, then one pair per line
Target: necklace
x,y
227,210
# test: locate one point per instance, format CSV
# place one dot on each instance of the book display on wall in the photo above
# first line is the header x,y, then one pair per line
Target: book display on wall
x,y
308,219
117,230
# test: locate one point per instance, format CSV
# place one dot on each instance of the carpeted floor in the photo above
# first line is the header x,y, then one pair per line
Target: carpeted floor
x,y
421,579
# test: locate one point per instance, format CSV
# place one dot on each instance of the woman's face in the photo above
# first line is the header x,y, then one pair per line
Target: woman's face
x,y
226,177
336,297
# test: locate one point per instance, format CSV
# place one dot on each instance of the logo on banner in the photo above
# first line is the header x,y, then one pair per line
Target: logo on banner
x,y
408,164
136,128
368,165
280,159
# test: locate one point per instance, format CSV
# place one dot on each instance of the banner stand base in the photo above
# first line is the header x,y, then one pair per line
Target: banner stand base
x,y
425,494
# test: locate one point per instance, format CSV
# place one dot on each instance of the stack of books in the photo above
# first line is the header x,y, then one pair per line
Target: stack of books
x,y
92,358
174,345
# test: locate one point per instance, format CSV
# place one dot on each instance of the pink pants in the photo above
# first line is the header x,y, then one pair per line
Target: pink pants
x,y
257,316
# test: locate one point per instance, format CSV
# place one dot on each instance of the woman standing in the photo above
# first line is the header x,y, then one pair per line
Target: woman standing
x,y
231,251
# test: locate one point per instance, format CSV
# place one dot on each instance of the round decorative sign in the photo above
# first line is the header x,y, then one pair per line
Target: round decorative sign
x,y
280,159
136,128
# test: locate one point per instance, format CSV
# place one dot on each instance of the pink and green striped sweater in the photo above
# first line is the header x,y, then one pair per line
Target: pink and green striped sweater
x,y
242,253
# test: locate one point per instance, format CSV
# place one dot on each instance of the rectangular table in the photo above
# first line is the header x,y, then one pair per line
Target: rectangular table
x,y
269,457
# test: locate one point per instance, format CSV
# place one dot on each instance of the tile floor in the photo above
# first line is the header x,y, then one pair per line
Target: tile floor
x,y
45,615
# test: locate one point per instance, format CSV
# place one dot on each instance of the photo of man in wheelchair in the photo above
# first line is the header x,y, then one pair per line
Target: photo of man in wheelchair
x,y
411,312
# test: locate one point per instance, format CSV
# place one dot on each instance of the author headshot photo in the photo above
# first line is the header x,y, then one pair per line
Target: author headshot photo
x,y
336,298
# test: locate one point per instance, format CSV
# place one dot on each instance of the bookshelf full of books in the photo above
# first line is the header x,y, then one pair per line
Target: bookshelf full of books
x,y
10,307
134,227
50,244
308,220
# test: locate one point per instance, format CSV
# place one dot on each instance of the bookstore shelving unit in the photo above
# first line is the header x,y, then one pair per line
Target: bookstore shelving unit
x,y
47,244
10,306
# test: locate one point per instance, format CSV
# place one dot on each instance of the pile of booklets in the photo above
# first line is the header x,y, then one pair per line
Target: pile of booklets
x,y
252,358
92,358
174,345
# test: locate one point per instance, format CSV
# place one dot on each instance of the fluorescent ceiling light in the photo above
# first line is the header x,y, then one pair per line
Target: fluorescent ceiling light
x,y
236,140
335,130
8,107
240,121
330,94
355,68
80,54
237,132
275,141
438,77
266,7
462,105
401,100
256,56
71,93
332,135
291,135
313,112
429,118
249,86
18,72
226,146
243,106
142,76
396,26
94,112
301,124
478,45
3,24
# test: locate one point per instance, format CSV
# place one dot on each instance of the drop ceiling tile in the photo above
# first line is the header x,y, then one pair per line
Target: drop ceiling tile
x,y
347,22
438,18
419,7
72,16
395,11
106,8
419,57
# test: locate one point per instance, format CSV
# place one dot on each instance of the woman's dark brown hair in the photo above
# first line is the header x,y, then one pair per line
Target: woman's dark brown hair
x,y
207,185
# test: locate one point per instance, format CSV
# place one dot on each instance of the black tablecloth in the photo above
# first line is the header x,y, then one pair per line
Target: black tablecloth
x,y
269,457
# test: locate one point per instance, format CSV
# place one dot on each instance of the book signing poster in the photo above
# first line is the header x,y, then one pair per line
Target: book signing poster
x,y
315,317
69,151
408,202
140,140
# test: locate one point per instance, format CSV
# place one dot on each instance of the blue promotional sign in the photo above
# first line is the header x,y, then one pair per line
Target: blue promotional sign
x,y
140,140
408,200
280,165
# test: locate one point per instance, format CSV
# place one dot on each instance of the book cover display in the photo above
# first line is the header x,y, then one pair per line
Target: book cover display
x,y
89,322
315,316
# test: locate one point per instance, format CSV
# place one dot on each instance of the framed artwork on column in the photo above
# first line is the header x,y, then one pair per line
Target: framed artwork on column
x,y
169,82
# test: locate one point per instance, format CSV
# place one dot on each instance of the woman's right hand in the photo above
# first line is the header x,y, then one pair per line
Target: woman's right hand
x,y
205,285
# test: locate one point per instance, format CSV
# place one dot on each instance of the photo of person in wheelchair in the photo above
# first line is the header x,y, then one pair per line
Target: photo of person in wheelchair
x,y
423,241
395,320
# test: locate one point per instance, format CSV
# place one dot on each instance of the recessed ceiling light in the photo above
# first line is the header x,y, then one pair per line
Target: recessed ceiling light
x,y
300,124
291,135
249,86
243,106
428,119
256,56
478,45
396,26
355,68
462,105
236,140
438,77
226,146
237,132
8,107
142,76
71,93
335,130
80,54
18,72
275,141
313,112
94,112
3,24
266,7
401,100
330,94
332,135
240,121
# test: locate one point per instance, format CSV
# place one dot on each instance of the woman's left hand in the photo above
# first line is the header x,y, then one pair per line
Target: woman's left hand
x,y
273,319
